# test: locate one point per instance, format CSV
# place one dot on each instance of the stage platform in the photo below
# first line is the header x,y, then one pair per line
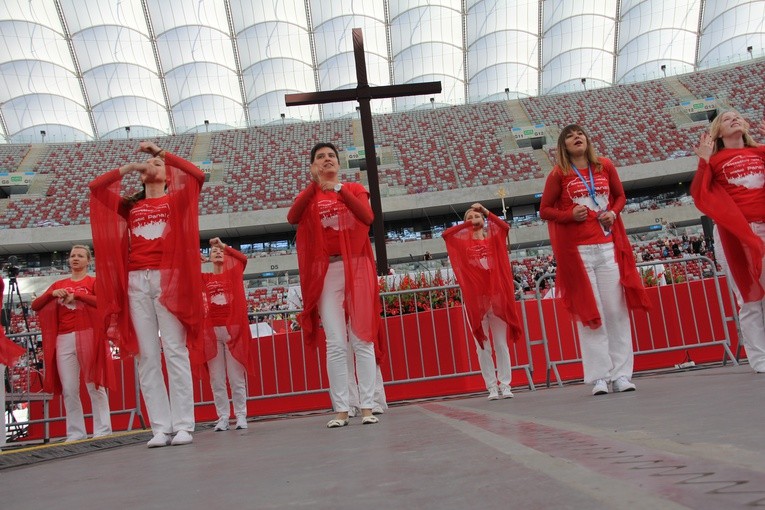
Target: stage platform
x,y
683,440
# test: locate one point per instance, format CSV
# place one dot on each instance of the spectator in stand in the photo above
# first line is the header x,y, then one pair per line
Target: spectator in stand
x,y
482,267
728,187
337,278
228,330
597,278
9,354
696,246
150,281
73,345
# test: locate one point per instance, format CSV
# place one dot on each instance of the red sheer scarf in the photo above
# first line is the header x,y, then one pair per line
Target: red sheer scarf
x,y
362,302
743,249
483,289
9,351
571,281
181,278
93,351
237,325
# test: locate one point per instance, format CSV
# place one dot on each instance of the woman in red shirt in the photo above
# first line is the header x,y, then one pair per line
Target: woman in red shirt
x,y
71,345
728,188
150,281
228,327
596,276
482,266
9,353
337,278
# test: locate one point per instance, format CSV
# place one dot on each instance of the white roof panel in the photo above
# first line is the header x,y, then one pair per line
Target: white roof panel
x,y
94,67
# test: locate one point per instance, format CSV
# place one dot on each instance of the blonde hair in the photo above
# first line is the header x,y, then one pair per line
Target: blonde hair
x,y
716,124
564,160
82,247
464,217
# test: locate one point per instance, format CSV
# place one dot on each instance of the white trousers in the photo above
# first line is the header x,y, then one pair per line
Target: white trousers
x,y
69,372
502,373
224,363
332,313
751,316
149,318
2,403
606,351
353,387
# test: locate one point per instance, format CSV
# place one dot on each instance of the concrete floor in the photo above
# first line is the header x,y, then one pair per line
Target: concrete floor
x,y
682,440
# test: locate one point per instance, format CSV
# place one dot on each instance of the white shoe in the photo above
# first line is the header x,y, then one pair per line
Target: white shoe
x,y
623,384
159,440
221,425
493,394
505,390
600,387
182,437
378,410
241,423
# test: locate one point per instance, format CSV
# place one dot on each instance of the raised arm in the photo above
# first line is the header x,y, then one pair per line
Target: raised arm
x,y
358,204
48,296
301,203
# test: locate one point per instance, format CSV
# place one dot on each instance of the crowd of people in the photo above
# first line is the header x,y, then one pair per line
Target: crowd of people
x,y
152,299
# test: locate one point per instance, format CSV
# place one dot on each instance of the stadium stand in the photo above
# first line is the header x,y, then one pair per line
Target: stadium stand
x,y
12,155
630,124
433,149
739,86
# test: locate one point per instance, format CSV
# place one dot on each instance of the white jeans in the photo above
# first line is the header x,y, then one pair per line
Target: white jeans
x,y
353,386
219,366
69,372
502,373
751,316
332,315
150,317
606,351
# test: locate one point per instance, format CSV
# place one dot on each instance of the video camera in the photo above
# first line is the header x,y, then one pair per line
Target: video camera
x,y
11,269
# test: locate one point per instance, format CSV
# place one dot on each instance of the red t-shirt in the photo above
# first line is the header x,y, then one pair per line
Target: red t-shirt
x,y
146,224
741,173
69,316
330,207
218,308
479,255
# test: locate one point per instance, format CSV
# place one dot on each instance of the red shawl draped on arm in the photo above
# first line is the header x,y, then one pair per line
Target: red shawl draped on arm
x,y
743,248
484,288
571,281
9,351
92,346
362,299
182,291
237,325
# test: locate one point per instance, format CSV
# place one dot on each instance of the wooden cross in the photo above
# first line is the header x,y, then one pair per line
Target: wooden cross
x,y
363,93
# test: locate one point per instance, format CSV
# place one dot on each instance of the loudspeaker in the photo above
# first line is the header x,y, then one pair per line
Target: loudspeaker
x,y
708,225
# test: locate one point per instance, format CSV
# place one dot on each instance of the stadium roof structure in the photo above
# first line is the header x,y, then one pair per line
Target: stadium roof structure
x,y
99,69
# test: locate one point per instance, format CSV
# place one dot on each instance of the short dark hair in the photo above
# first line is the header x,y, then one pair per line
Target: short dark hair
x,y
321,145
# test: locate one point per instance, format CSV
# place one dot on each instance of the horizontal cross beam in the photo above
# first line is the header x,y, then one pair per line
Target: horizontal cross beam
x,y
359,93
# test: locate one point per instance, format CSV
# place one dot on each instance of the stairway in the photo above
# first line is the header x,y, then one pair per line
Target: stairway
x,y
201,149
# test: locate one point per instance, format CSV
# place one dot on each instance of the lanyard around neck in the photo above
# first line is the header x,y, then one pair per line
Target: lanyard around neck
x,y
591,186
